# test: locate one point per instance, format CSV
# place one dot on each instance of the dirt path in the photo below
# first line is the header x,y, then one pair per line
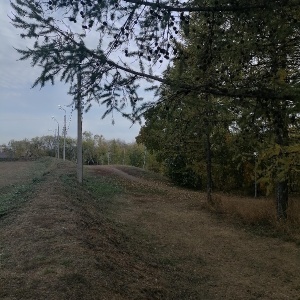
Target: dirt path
x,y
227,262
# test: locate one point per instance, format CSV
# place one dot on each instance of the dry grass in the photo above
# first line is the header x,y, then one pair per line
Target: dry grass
x,y
16,172
119,236
294,211
260,212
249,210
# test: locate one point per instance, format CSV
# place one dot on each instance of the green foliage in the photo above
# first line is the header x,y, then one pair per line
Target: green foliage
x,y
247,103
178,170
278,164
244,49
96,150
178,138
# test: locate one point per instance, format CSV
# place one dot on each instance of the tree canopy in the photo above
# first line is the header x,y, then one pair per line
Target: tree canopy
x,y
115,43
248,65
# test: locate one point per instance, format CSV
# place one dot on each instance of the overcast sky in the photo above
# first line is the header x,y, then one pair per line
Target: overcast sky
x,y
26,112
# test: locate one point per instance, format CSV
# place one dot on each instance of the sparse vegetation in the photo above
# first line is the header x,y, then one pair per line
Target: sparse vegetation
x,y
18,182
260,215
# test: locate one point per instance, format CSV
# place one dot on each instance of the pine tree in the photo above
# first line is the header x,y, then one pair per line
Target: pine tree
x,y
247,51
134,36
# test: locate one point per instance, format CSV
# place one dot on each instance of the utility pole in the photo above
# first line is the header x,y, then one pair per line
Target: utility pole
x,y
65,129
79,130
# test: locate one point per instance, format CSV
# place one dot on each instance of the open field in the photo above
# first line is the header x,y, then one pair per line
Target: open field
x,y
129,234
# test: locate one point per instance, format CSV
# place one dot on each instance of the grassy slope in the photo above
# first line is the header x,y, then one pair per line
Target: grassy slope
x,y
93,258
116,239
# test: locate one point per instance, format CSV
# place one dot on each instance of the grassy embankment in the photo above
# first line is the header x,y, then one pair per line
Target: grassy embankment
x,y
114,238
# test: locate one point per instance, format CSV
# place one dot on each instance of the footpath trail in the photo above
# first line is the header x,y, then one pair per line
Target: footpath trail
x,y
227,262
148,241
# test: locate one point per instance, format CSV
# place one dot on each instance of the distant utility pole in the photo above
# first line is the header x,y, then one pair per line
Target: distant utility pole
x,y
79,131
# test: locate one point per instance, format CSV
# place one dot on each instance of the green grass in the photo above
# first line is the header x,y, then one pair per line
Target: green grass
x,y
95,186
12,196
102,191
101,188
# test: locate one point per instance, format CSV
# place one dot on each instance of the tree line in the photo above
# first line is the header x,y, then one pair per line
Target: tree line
x,y
232,121
96,150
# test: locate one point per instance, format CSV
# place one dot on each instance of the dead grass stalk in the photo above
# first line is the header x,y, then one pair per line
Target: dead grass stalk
x,y
259,212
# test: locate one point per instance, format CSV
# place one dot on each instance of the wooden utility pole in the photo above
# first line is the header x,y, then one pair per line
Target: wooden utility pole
x,y
79,131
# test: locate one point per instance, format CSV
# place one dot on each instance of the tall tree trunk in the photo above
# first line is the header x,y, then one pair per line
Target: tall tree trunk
x,y
282,199
282,139
280,123
208,149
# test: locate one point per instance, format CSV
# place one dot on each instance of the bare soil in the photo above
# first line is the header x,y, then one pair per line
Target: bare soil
x,y
150,241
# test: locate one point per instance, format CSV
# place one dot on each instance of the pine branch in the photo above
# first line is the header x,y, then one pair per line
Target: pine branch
x,y
197,8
